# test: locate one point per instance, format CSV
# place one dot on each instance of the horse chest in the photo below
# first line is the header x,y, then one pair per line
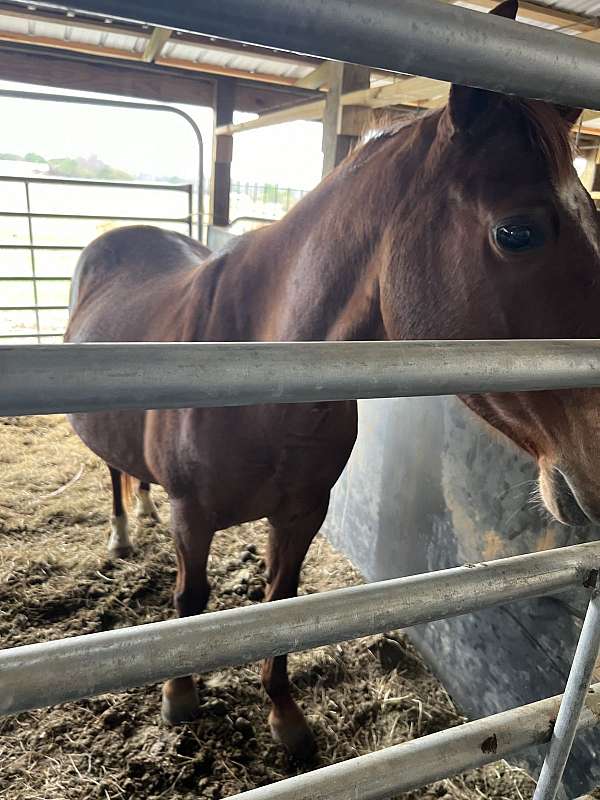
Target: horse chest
x,y
314,444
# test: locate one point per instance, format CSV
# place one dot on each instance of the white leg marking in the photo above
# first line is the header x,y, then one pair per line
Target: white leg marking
x,y
145,506
119,543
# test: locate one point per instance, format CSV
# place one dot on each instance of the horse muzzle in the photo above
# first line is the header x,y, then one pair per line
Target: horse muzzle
x,y
566,498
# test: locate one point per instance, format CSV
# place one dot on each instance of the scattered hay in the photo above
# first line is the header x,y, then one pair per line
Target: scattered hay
x,y
56,581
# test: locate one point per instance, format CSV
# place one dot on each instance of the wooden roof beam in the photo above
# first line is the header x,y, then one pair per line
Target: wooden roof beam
x,y
319,77
74,47
63,69
158,38
131,55
230,72
411,93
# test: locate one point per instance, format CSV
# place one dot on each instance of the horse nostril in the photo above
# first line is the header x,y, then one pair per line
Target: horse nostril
x,y
566,501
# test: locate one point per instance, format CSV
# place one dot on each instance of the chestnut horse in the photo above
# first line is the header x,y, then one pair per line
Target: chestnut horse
x,y
466,222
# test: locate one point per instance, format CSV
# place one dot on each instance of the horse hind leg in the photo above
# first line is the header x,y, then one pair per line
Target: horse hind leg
x,y
119,543
289,540
145,508
193,536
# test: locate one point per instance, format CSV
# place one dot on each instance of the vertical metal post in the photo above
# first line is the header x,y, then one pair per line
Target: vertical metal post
x,y
32,256
576,690
191,214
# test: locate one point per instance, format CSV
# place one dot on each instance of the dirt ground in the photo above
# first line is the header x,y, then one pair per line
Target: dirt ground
x,y
56,581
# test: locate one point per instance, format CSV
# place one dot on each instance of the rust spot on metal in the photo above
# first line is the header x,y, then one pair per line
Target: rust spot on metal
x,y
490,745
591,579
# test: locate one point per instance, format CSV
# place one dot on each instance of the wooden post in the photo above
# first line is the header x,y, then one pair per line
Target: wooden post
x,y
590,172
224,102
342,125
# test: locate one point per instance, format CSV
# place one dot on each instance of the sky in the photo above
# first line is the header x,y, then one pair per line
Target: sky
x,y
157,143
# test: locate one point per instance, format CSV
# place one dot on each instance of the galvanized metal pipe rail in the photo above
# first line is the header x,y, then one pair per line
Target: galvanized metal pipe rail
x,y
33,676
46,379
408,766
572,703
420,37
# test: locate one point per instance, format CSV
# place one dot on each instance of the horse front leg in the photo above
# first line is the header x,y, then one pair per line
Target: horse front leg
x,y
289,539
193,537
119,543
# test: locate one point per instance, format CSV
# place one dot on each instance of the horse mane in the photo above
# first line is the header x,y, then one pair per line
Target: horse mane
x,y
550,132
546,129
379,131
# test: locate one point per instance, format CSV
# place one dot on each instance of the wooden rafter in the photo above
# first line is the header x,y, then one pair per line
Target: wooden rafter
x,y
317,78
411,93
231,72
130,55
62,44
155,44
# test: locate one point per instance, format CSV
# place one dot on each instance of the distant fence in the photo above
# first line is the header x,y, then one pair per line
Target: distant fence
x,y
262,200
44,225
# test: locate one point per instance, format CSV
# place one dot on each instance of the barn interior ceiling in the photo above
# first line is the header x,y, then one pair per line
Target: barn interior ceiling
x,y
43,45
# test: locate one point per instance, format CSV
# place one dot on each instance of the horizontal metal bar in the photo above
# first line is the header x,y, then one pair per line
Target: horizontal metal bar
x,y
251,219
576,690
79,182
431,758
36,278
36,307
111,217
418,37
39,675
30,335
93,377
41,246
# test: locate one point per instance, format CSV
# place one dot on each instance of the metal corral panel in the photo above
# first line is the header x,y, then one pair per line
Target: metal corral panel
x,y
429,487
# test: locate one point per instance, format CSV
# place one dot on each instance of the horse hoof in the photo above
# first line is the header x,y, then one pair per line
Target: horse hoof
x,y
119,543
179,701
296,737
145,508
150,517
123,551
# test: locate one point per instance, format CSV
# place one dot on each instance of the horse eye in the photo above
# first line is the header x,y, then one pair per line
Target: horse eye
x,y
517,237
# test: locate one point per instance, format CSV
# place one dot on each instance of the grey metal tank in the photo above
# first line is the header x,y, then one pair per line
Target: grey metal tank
x,y
430,486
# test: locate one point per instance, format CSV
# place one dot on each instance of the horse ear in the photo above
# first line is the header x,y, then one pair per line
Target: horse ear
x,y
509,9
571,115
466,105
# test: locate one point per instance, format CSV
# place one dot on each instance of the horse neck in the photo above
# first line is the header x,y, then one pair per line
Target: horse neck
x,y
329,251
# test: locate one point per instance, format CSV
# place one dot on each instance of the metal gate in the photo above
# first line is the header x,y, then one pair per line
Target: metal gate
x,y
39,252
416,36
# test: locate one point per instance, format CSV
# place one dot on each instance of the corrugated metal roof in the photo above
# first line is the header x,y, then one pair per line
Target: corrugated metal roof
x,y
234,59
65,31
130,41
127,40
587,8
524,14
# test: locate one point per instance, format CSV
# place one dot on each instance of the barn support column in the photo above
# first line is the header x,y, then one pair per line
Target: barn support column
x,y
342,125
224,102
588,177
